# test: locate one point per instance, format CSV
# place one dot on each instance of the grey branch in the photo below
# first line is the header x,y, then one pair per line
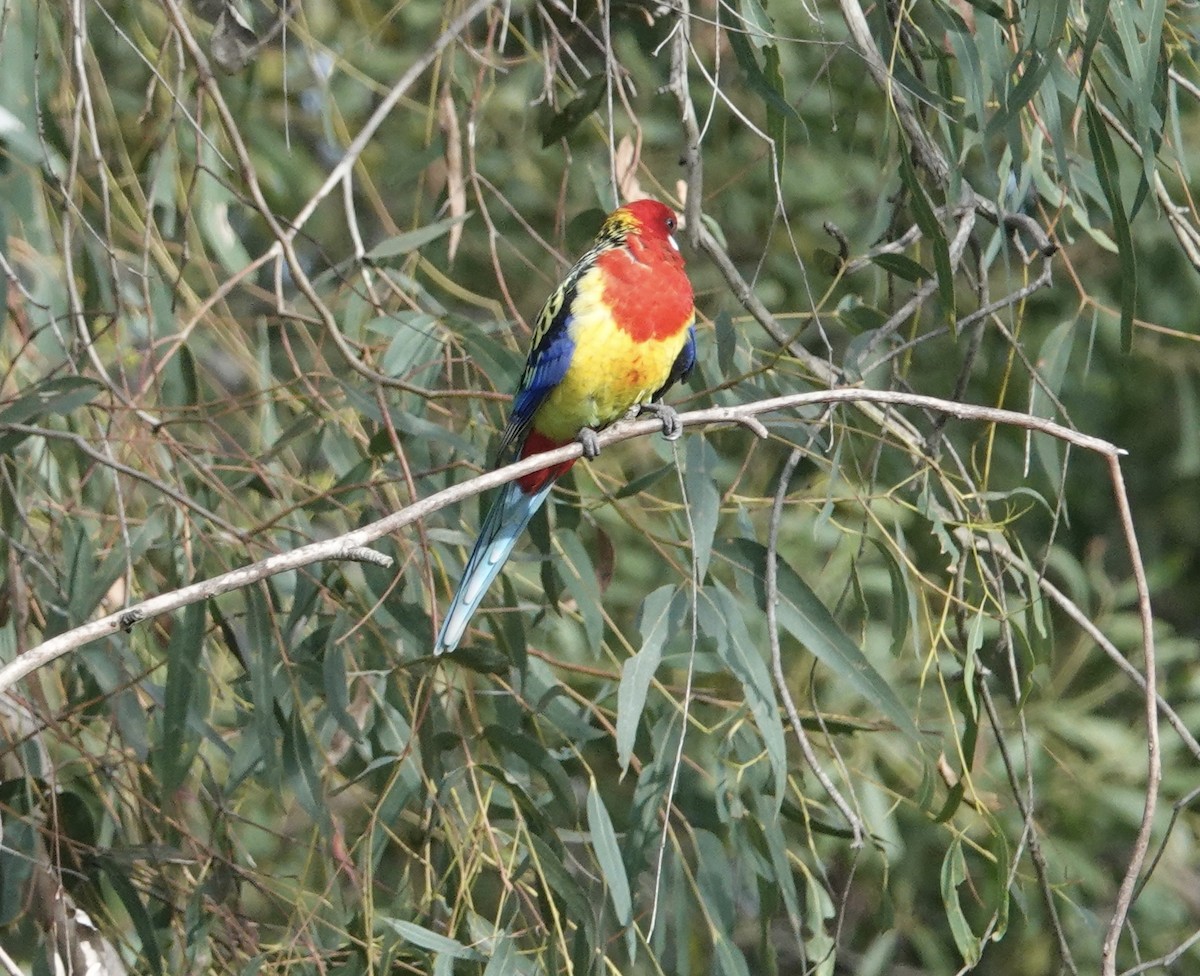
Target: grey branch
x,y
351,544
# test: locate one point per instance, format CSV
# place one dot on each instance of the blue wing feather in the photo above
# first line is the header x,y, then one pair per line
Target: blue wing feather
x,y
548,362
683,365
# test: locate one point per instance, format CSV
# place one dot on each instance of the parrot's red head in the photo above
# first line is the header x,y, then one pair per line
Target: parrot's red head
x,y
654,219
648,220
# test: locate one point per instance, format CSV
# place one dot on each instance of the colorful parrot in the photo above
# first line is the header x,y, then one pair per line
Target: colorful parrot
x,y
615,335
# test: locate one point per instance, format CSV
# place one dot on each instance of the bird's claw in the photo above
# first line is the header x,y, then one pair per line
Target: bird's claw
x,y
591,445
672,426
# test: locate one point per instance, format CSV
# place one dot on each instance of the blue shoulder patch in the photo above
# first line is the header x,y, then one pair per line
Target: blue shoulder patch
x,y
548,362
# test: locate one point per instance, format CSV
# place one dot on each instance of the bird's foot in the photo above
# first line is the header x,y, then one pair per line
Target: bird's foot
x,y
591,445
672,426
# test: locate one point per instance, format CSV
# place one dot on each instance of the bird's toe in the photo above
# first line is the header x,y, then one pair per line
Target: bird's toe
x,y
591,444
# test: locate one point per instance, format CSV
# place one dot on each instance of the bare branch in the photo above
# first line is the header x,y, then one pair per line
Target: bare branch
x,y
1108,951
346,546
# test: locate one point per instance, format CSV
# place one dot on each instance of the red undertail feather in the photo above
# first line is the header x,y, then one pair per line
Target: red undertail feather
x,y
536,443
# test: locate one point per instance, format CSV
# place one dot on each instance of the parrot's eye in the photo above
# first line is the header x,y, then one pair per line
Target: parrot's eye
x,y
670,224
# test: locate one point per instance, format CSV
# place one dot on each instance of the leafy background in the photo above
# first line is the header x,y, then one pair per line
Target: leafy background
x,y
213,352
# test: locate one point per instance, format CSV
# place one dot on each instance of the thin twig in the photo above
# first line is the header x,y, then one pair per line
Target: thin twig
x,y
1040,867
1072,610
1108,952
926,153
112,463
1165,962
785,694
677,762
692,160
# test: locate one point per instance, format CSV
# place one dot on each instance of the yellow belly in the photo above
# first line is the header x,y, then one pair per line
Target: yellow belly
x,y
609,371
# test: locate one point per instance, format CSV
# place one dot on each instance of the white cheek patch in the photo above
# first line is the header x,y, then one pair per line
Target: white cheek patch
x,y
671,240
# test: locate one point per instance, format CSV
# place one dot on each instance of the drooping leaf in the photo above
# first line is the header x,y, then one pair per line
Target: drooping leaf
x,y
539,759
703,500
412,240
721,618
638,671
1108,174
608,855
803,614
429,940
581,580
186,686
954,873
138,914
931,227
56,397
570,116
901,266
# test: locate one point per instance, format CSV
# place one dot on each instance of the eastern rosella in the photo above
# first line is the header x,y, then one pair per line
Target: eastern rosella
x,y
613,336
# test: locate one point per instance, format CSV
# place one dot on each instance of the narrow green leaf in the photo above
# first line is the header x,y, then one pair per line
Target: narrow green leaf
x,y
642,483
714,874
954,873
18,854
901,266
721,618
1108,174
520,797
926,219
777,121
261,657
1053,356
414,343
757,79
559,883
138,914
299,768
413,240
900,597
1031,67
727,341
213,203
506,961
730,960
638,671
703,499
775,842
336,686
535,755
179,741
803,615
114,564
586,101
81,564
998,864
820,912
53,397
429,940
585,588
975,81
991,9
608,855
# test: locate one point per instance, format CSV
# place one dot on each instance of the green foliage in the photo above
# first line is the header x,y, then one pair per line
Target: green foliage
x,y
212,353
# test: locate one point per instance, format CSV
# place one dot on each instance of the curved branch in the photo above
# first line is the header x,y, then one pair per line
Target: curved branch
x,y
351,544
1108,951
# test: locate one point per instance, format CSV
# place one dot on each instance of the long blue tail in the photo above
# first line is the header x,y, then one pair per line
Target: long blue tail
x,y
505,522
